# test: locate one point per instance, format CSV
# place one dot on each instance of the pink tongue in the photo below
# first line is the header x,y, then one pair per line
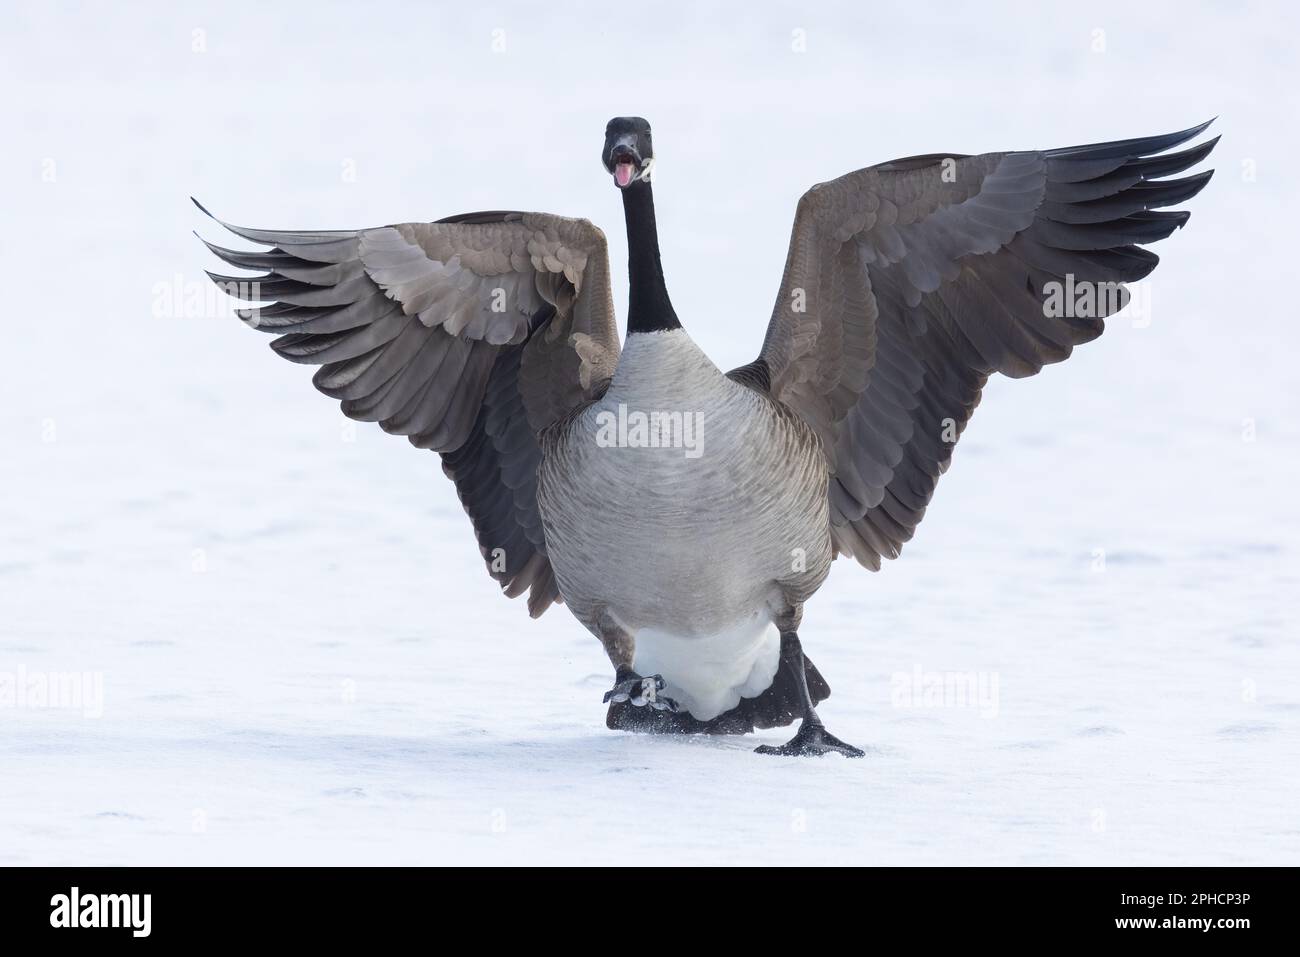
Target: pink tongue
x,y
623,173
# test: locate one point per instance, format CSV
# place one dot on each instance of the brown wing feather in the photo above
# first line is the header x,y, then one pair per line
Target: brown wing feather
x,y
908,284
469,336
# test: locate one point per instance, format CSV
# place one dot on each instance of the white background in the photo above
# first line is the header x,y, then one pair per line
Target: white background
x,y
303,659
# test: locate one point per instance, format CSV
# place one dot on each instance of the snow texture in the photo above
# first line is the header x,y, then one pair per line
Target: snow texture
x,y
303,660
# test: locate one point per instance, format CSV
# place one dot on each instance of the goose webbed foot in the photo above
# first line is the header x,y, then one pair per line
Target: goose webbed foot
x,y
641,692
811,740
812,737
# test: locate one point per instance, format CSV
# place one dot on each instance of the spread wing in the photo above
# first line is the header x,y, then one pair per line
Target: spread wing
x,y
908,284
469,336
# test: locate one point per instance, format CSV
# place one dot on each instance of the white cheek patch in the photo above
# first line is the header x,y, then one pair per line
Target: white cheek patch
x,y
646,167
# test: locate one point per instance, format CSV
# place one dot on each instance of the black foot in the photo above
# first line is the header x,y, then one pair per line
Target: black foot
x,y
641,692
811,739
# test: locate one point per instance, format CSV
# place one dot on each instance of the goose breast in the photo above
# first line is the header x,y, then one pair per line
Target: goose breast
x,y
698,529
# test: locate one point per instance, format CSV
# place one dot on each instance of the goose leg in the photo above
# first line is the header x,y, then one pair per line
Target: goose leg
x,y
812,737
630,686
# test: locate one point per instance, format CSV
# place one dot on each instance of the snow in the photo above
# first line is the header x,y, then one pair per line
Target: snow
x,y
302,659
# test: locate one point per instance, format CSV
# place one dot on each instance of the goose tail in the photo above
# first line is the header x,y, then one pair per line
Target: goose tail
x,y
776,707
779,705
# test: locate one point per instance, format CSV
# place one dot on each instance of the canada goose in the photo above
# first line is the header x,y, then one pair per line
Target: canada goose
x,y
683,514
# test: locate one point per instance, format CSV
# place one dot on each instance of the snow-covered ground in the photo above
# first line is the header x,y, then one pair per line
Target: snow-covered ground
x,y
301,657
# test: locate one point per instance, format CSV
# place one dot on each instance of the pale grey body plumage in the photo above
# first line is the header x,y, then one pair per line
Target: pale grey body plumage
x,y
491,339
719,533
649,540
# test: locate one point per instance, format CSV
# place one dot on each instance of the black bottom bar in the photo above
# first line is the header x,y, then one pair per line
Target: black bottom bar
x,y
367,906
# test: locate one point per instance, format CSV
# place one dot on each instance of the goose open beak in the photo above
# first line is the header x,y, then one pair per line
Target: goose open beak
x,y
625,163
624,172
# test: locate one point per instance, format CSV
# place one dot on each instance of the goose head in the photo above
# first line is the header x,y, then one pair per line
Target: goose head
x,y
627,153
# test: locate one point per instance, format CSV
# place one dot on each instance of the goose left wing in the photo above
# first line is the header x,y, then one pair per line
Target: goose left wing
x,y
908,284
470,336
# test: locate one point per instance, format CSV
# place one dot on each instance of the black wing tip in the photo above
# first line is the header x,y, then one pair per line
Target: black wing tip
x,y
219,278
220,222
1136,147
241,288
206,212
1209,145
213,247
240,231
233,256
1196,182
1183,136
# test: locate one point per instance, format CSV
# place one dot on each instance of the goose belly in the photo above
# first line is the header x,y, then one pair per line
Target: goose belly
x,y
696,588
692,555
709,675
680,552
693,569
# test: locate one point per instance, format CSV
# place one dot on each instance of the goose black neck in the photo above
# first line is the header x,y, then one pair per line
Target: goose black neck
x,y
649,309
